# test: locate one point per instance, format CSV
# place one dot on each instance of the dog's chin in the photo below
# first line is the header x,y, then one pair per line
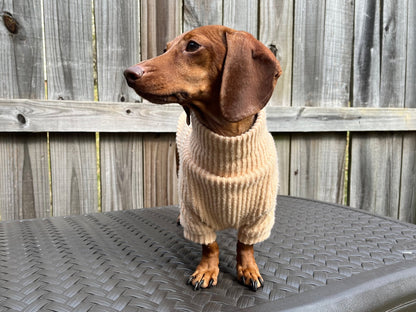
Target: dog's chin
x,y
179,97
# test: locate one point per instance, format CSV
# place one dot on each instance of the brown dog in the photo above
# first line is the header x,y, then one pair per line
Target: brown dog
x,y
222,78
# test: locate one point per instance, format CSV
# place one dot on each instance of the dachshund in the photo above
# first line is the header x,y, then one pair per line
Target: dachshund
x,y
222,78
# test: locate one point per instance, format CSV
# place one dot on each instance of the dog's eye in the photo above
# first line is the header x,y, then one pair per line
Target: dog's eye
x,y
192,46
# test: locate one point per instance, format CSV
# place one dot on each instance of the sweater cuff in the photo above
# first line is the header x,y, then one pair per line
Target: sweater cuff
x,y
205,239
257,231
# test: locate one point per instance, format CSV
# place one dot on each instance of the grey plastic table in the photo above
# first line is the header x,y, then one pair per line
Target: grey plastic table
x,y
320,257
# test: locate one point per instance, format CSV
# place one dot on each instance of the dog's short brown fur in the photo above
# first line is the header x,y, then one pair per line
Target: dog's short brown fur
x,y
225,77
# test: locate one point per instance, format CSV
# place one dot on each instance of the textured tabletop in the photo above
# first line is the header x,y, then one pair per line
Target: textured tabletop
x,y
320,257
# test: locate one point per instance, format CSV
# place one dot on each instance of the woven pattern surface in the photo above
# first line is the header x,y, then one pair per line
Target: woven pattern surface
x,y
138,260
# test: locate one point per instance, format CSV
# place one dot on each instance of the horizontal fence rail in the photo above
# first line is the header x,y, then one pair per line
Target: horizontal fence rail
x,y
80,116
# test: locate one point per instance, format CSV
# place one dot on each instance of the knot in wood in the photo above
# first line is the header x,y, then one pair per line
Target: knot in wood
x,y
274,49
21,119
10,22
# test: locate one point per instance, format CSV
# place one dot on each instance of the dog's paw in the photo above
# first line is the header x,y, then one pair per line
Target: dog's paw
x,y
204,278
206,273
250,276
247,270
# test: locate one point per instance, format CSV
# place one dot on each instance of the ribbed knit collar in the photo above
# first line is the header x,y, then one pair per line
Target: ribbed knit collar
x,y
230,156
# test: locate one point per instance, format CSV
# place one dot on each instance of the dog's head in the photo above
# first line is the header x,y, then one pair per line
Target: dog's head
x,y
212,69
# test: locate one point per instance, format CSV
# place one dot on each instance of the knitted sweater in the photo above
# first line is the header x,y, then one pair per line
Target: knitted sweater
x,y
226,182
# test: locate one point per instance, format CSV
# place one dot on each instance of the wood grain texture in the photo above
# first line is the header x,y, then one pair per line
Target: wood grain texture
x,y
198,13
122,182
87,116
321,74
242,15
376,173
275,31
121,155
276,25
24,183
407,209
69,65
118,47
282,142
160,180
74,174
366,62
161,22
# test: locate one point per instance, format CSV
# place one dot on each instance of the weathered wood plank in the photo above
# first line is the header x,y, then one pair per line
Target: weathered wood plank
x,y
118,46
121,155
321,74
122,184
276,25
200,13
366,92
160,186
376,172
85,116
241,15
69,65
282,142
74,174
161,22
407,209
275,31
366,62
24,182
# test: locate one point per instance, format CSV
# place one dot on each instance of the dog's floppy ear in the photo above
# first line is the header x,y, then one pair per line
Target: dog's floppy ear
x,y
249,75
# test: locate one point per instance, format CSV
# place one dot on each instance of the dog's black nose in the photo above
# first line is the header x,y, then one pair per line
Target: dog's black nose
x,y
133,73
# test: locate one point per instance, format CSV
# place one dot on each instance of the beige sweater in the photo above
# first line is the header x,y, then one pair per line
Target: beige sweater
x,y
226,182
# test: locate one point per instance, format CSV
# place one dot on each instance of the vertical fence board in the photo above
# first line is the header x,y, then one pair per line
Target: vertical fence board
x,y
24,182
121,155
366,93
160,170
276,24
242,15
407,209
160,24
200,13
321,77
69,60
376,158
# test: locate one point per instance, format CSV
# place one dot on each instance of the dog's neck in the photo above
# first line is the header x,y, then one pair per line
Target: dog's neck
x,y
218,124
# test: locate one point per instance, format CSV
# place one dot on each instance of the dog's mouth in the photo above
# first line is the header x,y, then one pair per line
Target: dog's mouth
x,y
178,97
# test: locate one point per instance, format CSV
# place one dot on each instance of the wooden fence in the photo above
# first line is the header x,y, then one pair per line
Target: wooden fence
x,y
75,139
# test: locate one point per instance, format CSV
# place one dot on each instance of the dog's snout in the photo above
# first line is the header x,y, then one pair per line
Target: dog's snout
x,y
133,73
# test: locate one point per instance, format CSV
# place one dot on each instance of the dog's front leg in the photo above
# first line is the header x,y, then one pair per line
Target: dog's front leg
x,y
247,270
206,273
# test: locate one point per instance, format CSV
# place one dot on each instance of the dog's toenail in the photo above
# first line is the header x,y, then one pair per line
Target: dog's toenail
x,y
253,284
191,278
198,285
